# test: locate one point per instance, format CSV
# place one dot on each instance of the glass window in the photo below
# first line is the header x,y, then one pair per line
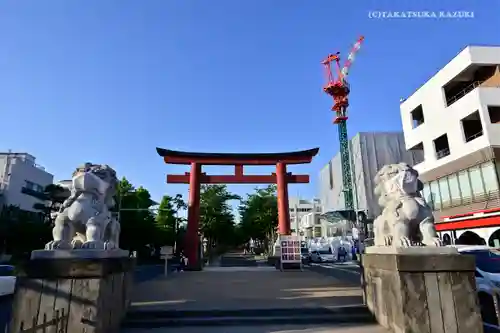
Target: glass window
x,y
444,190
454,187
330,174
435,195
489,177
476,181
426,192
463,179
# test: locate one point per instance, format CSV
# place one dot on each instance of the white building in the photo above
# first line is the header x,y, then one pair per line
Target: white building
x,y
454,119
369,152
22,181
299,208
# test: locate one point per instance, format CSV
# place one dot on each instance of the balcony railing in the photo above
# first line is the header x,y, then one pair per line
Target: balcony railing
x,y
443,153
34,193
474,136
463,92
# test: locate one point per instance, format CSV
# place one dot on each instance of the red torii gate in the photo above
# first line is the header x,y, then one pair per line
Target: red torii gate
x,y
196,177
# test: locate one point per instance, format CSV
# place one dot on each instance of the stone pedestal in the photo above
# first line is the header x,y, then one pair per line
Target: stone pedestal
x,y
422,289
67,295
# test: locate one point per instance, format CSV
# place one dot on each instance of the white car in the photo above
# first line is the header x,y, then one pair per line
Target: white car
x,y
487,279
322,256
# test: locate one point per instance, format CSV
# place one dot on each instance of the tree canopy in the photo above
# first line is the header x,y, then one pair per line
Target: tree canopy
x,y
217,220
147,225
259,216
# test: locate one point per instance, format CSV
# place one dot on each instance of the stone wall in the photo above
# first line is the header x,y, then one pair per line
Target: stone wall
x,y
422,293
72,295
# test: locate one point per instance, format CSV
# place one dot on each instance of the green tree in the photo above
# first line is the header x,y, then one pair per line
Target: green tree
x,y
138,224
166,220
55,195
180,205
216,217
259,216
22,232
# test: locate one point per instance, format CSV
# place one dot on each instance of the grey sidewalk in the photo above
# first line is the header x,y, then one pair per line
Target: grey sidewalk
x,y
266,329
244,290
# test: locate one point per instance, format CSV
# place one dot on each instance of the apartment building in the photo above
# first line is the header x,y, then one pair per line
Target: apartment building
x,y
369,152
22,181
454,121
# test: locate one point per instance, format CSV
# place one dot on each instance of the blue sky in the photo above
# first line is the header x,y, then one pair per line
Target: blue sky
x,y
107,81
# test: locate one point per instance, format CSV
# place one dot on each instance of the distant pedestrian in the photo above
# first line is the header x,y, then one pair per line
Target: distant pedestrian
x,y
341,254
354,251
178,262
184,262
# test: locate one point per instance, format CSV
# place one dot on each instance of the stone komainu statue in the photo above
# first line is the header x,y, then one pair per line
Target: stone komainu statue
x,y
84,219
406,219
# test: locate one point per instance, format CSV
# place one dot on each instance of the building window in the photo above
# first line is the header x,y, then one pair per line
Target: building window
x,y
417,116
29,185
472,127
494,113
456,197
435,195
476,181
472,185
442,146
489,177
418,153
330,174
465,188
426,194
444,191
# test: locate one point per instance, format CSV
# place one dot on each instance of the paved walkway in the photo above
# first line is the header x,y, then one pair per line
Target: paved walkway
x,y
241,295
267,329
244,288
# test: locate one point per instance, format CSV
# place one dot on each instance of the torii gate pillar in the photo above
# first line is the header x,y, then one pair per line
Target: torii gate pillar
x,y
284,227
192,236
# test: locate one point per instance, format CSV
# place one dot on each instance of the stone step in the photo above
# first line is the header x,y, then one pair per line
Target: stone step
x,y
251,317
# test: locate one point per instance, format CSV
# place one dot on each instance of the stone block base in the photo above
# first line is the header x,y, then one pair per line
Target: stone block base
x,y
422,291
72,295
273,261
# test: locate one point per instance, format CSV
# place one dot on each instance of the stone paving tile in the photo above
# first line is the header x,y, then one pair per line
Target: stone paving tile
x,y
245,290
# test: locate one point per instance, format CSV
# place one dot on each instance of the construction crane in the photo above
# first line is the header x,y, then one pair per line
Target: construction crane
x,y
338,88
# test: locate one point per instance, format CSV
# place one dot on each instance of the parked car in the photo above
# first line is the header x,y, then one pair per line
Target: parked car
x,y
322,256
487,281
7,280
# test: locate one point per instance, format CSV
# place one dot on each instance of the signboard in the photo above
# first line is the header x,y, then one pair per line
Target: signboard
x,y
290,249
166,251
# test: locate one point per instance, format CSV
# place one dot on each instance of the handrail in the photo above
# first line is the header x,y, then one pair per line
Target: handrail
x,y
474,136
443,153
466,90
463,92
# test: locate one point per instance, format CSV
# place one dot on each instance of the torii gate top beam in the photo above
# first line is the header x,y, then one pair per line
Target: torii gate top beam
x,y
186,158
